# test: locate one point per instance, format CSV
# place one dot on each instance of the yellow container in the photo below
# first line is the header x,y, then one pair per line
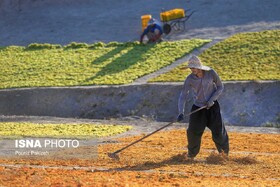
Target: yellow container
x,y
165,16
179,13
145,20
172,14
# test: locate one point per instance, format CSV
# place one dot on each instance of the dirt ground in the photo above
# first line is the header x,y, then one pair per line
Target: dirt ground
x,y
156,161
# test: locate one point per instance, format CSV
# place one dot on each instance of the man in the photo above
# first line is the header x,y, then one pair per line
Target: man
x,y
206,86
153,32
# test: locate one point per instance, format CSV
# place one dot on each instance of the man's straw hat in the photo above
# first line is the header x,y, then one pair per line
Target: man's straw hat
x,y
194,62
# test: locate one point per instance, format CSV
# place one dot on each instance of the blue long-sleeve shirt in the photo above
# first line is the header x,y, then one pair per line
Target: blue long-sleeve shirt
x,y
207,88
152,28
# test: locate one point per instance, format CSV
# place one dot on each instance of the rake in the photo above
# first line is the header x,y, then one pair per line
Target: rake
x,y
116,157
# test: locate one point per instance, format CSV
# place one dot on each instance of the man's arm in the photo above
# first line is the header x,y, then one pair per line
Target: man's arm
x,y
219,85
183,97
143,34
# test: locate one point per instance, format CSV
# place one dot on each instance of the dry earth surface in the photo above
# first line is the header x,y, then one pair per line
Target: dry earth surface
x,y
156,161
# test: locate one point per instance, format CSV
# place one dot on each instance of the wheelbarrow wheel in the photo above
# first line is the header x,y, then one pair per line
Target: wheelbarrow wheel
x,y
166,28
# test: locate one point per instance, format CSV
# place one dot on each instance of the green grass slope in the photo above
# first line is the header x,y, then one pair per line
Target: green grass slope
x,y
244,56
79,64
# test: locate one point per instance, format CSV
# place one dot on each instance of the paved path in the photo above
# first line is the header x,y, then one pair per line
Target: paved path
x,y
50,21
140,125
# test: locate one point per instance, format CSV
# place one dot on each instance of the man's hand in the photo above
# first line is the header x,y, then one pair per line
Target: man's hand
x,y
210,104
180,117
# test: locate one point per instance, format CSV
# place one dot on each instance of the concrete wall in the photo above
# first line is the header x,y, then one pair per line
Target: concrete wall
x,y
242,103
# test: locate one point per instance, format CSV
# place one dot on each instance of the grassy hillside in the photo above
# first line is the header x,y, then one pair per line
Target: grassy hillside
x,y
81,64
245,56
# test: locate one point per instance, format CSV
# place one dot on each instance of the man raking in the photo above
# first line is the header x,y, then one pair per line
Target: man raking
x,y
206,86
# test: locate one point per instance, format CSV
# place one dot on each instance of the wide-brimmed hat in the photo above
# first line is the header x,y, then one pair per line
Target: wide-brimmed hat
x,y
194,62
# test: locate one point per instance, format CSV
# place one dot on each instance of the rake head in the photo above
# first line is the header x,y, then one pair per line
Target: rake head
x,y
113,156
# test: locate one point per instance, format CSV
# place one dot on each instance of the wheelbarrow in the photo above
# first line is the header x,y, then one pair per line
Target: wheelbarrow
x,y
177,22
